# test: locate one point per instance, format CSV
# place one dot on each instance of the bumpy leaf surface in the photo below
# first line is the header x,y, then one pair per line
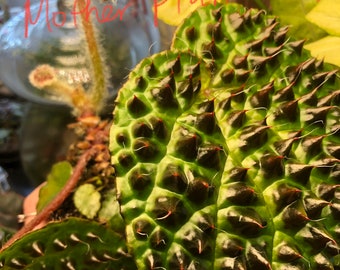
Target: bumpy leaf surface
x,y
240,170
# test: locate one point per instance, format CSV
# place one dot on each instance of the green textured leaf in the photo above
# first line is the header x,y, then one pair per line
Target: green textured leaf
x,y
87,200
327,48
56,180
217,174
326,15
293,13
71,244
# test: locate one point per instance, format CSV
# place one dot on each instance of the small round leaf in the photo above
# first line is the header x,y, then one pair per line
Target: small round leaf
x,y
87,200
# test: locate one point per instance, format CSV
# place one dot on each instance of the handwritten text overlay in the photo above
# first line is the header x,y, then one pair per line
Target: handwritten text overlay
x,y
108,12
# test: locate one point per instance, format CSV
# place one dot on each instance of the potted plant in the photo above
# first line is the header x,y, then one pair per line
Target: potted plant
x,y
225,154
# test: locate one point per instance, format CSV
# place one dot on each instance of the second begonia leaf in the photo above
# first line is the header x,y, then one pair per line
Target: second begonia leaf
x,y
173,11
326,15
326,48
293,13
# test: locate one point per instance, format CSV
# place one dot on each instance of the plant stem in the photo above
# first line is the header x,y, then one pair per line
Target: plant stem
x,y
99,87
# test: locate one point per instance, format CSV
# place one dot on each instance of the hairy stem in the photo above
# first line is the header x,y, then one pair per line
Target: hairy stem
x,y
99,88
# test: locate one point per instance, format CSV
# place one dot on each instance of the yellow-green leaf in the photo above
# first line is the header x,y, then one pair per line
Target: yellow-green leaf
x,y
326,15
87,200
56,180
327,48
293,13
174,11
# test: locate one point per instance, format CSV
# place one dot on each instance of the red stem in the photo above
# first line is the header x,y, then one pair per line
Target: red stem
x,y
44,214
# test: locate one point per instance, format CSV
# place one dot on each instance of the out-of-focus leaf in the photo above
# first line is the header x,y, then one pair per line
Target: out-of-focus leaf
x,y
173,11
45,139
326,15
5,234
293,13
10,207
87,200
107,210
110,211
327,48
56,180
4,133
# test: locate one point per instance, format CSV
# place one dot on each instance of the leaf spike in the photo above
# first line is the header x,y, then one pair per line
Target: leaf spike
x,y
210,50
323,77
268,32
318,115
310,98
214,30
294,215
236,118
240,61
293,73
280,36
258,16
309,65
255,45
269,51
136,106
17,263
59,244
217,13
288,110
242,75
175,65
38,248
238,94
312,144
328,99
151,69
272,166
195,69
238,174
247,16
228,75
91,235
237,21
297,45
261,97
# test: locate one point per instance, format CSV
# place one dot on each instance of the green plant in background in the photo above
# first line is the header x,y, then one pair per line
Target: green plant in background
x,y
293,13
316,21
226,156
